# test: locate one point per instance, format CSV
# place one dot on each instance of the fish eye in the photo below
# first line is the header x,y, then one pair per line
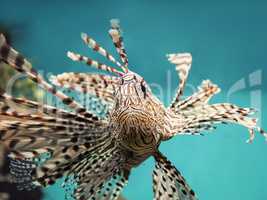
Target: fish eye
x,y
143,88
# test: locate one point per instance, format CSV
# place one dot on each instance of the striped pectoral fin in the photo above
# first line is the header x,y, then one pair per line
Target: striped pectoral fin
x,y
101,176
28,138
20,130
101,86
168,183
63,159
66,159
43,112
61,135
183,63
21,172
115,185
103,188
34,134
205,92
200,117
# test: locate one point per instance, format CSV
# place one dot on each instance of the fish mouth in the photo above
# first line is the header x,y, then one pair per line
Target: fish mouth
x,y
135,109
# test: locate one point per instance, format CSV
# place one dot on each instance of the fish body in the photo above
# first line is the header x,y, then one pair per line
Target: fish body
x,y
139,118
98,153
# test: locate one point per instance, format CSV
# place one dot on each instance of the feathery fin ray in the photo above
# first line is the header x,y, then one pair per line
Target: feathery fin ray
x,y
93,63
183,63
92,44
198,113
168,183
116,36
19,63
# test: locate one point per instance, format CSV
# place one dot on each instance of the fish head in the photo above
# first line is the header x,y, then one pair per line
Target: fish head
x,y
132,90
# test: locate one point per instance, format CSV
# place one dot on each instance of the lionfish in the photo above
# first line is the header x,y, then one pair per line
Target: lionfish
x,y
98,153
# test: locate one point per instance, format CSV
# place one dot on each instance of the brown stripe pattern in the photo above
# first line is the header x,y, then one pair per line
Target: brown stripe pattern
x,y
93,63
168,183
18,62
183,64
99,153
96,47
115,34
101,86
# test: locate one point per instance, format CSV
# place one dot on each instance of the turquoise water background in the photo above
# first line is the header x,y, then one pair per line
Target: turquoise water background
x,y
228,42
